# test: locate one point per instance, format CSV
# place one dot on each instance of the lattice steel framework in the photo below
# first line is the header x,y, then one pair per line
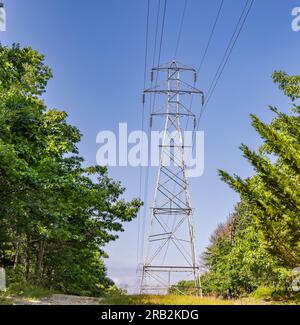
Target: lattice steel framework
x,y
171,232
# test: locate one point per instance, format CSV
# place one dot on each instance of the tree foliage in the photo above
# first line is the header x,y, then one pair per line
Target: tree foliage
x,y
54,219
237,261
273,193
265,244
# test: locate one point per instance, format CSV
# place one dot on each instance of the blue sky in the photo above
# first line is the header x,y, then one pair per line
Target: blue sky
x,y
96,51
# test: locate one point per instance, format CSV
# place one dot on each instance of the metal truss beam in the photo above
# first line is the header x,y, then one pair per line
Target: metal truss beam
x,y
171,247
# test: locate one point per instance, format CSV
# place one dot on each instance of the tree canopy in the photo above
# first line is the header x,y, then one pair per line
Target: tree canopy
x,y
54,219
259,245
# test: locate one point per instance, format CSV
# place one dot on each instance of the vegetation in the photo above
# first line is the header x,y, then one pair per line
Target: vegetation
x,y
5,301
55,214
259,245
163,300
256,299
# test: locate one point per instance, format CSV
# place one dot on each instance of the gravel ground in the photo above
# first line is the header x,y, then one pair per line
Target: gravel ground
x,y
58,299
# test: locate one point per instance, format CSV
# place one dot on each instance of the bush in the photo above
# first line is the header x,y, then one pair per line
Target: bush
x,y
28,291
262,293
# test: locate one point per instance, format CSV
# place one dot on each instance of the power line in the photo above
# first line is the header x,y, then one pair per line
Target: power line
x,y
162,32
212,32
235,36
229,47
160,48
155,48
210,36
156,32
152,105
143,116
180,28
146,43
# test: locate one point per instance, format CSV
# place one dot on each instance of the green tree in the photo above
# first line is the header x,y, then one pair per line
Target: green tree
x,y
237,261
273,193
55,215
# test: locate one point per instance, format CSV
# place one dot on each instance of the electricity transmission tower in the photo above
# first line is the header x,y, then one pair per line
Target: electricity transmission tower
x,y
170,256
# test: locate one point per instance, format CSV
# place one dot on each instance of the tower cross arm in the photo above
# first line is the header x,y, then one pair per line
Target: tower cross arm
x,y
175,91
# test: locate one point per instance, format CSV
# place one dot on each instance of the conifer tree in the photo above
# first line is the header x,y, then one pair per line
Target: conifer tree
x,y
273,193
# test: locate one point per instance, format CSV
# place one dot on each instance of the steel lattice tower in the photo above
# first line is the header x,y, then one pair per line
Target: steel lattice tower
x,y
171,233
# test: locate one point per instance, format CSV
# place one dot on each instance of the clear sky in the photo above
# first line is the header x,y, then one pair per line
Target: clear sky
x,y
96,50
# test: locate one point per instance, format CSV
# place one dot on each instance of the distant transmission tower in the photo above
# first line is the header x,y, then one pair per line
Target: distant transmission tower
x,y
170,259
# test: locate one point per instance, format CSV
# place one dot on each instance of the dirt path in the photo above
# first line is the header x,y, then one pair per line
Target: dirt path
x,y
59,299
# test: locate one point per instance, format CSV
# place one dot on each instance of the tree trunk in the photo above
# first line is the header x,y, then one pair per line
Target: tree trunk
x,y
16,260
39,261
27,259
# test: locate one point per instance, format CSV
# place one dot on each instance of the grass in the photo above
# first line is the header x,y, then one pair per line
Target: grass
x,y
163,300
18,293
28,291
190,300
5,300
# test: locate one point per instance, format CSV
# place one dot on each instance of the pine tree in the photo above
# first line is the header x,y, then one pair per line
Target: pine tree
x,y
273,193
